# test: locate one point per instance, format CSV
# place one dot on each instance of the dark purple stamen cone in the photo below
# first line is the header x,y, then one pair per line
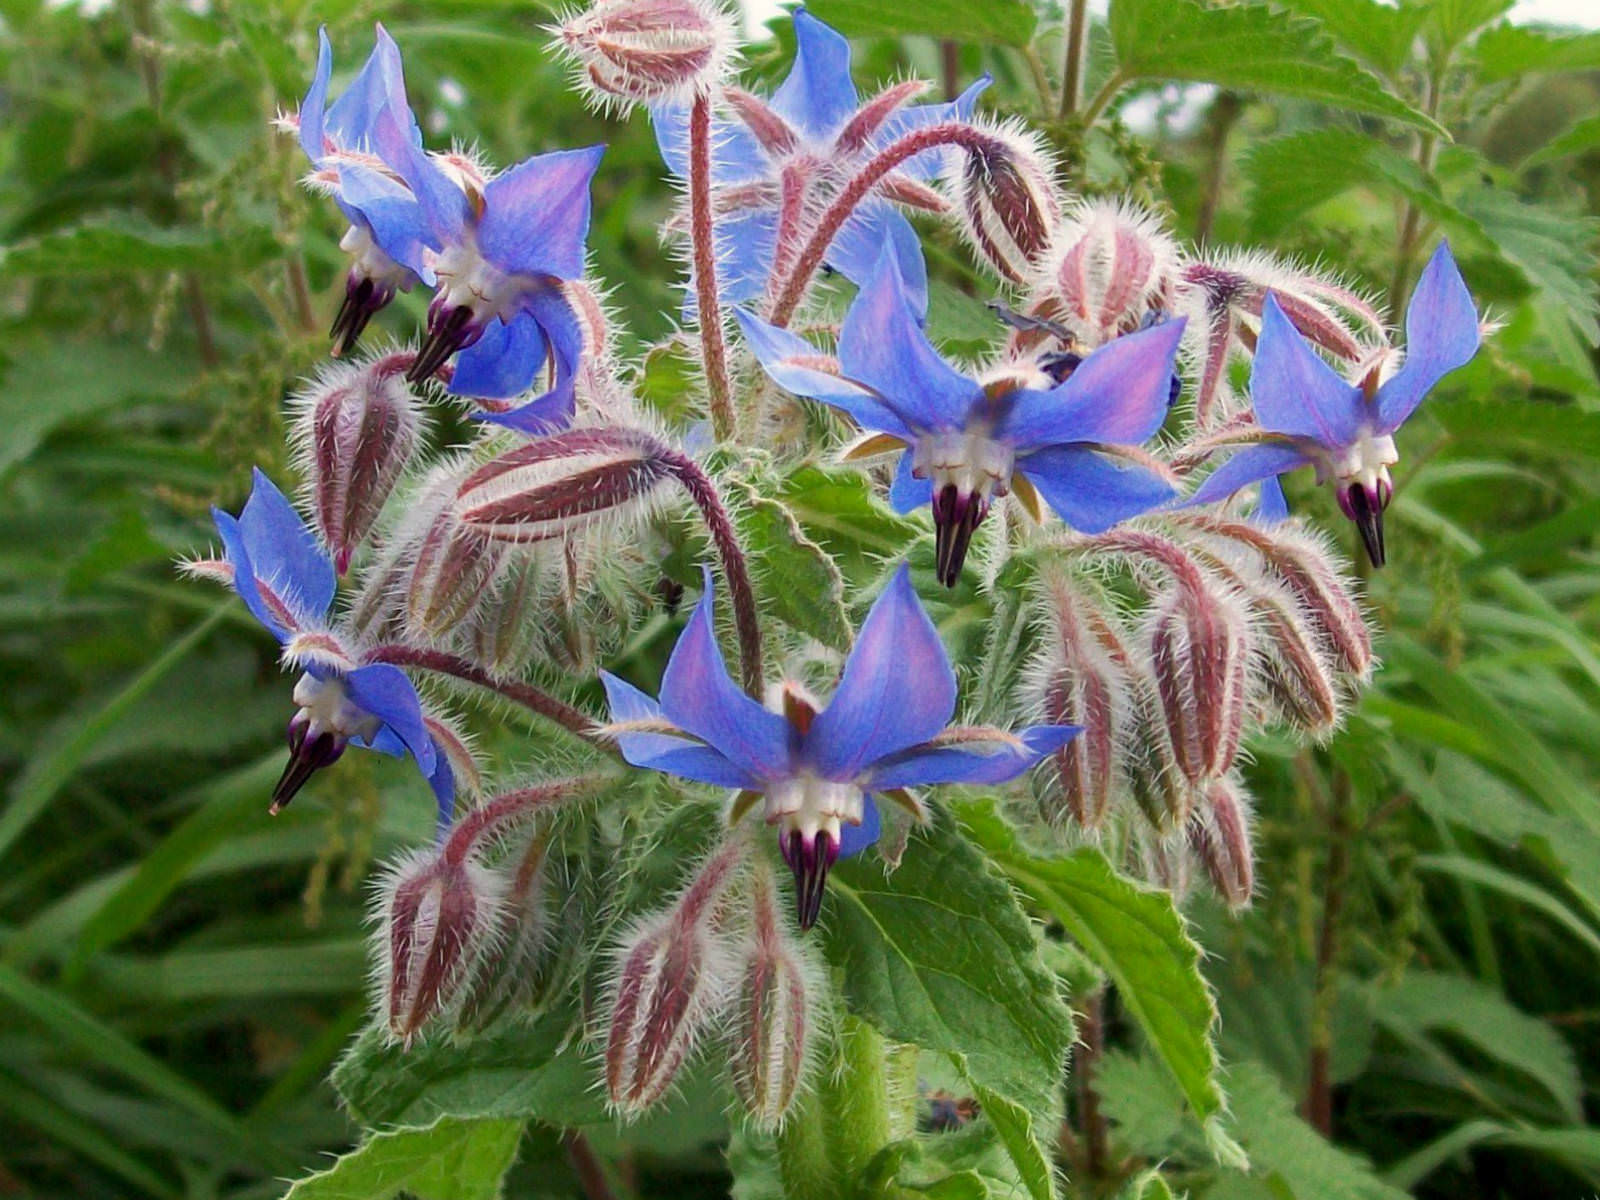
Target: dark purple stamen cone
x,y
307,755
449,330
1366,510
955,516
363,298
810,864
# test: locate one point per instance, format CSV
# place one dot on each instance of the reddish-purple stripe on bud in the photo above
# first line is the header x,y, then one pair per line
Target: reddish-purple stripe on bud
x,y
1199,653
646,50
1219,836
438,917
453,567
1008,197
772,1016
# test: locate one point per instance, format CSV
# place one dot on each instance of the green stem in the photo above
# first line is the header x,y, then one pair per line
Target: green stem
x,y
1072,67
859,1106
1103,98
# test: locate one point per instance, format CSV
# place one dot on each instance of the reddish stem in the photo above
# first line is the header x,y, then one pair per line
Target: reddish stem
x,y
949,133
702,235
486,820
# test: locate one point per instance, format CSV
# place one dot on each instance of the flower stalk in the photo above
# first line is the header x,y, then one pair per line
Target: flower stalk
x,y
713,348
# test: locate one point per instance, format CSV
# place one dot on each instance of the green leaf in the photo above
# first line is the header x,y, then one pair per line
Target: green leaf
x,y
128,243
1379,34
1579,1149
795,575
1249,47
1137,937
1014,1125
1555,250
1516,51
1008,22
1528,425
938,953
449,1160
840,510
1578,138
1291,175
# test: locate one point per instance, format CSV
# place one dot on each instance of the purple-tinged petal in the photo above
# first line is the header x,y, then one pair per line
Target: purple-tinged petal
x,y
853,839
564,336
784,355
1294,392
1118,394
907,493
443,204
930,163
536,215
897,689
390,212
883,346
379,85
311,133
270,543
387,693
698,697
1092,491
818,96
856,248
662,751
736,155
1441,335
921,766
503,362
746,244
1265,461
1273,505
443,782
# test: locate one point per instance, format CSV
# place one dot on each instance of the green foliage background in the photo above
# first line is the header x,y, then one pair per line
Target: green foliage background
x,y
178,974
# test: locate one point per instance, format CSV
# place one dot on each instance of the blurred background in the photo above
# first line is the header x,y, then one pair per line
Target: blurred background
x,y
178,973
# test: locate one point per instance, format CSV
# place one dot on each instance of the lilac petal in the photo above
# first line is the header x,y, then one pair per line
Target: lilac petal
x,y
1091,491
503,362
1246,467
736,155
1273,505
1294,392
536,215
956,764
745,247
930,163
907,493
269,542
856,248
662,751
897,688
782,355
443,204
387,693
443,782
390,212
1441,335
853,839
564,336
818,96
311,132
1118,394
244,578
698,697
882,345
381,84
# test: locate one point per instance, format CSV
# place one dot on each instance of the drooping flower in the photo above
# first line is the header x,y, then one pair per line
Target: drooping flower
x,y
287,581
794,150
820,770
385,221
969,440
1310,416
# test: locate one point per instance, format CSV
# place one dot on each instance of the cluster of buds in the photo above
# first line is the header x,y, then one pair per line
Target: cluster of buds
x,y
647,51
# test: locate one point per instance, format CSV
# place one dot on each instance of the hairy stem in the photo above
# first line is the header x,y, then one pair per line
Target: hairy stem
x,y
702,234
586,1166
1225,113
487,819
1076,57
841,1124
1091,1122
300,290
1103,98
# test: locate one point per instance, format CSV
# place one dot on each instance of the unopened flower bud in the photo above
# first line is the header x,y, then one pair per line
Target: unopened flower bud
x,y
1219,835
1298,672
645,51
445,567
772,1015
522,934
1199,646
355,430
1008,196
1110,264
439,913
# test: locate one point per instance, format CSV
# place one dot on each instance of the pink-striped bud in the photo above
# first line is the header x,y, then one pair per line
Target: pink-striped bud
x,y
439,915
646,51
521,937
673,976
554,486
1199,645
445,566
1164,859
355,429
1219,836
1297,670
1108,266
772,1014
1008,196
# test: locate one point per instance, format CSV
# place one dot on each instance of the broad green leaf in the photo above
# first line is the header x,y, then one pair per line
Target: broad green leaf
x,y
795,576
1451,22
1578,138
1553,249
1516,51
1009,22
449,1160
1137,937
1380,35
1578,1148
130,244
1289,176
837,509
938,953
1248,47
1015,1127
1534,426
1139,1095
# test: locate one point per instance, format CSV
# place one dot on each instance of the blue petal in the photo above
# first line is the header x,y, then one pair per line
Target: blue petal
x,y
1119,394
1092,491
390,212
503,362
897,688
882,345
443,204
381,84
856,248
736,155
1272,506
662,751
853,839
955,764
1248,465
387,693
818,96
564,336
271,544
443,782
781,353
311,133
1441,335
699,698
930,163
906,492
536,215
746,244
1294,392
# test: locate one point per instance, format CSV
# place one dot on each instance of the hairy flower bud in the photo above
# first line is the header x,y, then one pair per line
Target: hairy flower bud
x,y
772,1014
521,936
1219,836
646,51
1199,645
355,428
442,567
1109,265
673,975
1008,197
439,914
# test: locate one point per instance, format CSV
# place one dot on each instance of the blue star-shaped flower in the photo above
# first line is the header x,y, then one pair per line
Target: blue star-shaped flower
x,y
967,442
1310,416
821,772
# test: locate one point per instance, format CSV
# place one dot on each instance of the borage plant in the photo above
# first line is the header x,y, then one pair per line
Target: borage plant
x,y
591,919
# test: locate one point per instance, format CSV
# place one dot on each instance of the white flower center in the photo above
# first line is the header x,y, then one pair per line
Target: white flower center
x,y
468,280
327,706
372,261
972,459
812,806
1365,461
